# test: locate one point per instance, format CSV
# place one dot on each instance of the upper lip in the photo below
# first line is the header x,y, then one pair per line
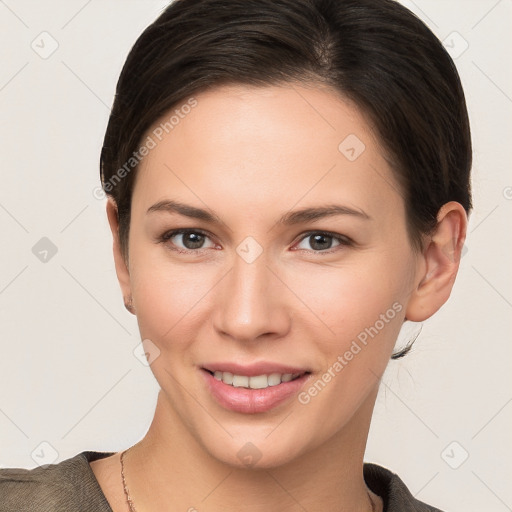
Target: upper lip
x,y
251,370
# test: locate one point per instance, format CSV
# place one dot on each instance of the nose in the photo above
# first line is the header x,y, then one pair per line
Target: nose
x,y
252,302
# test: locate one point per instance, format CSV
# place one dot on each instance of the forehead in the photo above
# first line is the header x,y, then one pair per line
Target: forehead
x,y
252,144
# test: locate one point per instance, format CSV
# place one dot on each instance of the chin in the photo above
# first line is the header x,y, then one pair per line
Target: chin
x,y
255,452
250,457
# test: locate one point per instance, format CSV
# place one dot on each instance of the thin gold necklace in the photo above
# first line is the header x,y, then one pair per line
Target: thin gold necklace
x,y
126,493
132,505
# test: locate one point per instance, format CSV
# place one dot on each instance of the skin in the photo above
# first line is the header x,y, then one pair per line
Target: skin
x,y
250,155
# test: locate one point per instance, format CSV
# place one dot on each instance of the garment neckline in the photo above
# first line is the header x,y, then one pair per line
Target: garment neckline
x,y
90,456
376,477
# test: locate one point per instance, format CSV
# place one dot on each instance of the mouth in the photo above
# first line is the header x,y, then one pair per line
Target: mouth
x,y
258,392
262,381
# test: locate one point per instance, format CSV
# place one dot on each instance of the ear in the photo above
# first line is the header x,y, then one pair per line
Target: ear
x,y
439,263
123,274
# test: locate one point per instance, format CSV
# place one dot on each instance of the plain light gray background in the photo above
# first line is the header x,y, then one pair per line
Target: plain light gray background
x,y
69,379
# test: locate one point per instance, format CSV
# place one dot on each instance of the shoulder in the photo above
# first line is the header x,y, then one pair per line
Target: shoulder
x,y
394,493
60,487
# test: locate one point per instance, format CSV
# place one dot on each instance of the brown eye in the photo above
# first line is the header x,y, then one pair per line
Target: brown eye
x,y
186,239
320,241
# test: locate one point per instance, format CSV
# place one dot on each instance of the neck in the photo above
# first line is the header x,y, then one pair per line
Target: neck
x,y
169,470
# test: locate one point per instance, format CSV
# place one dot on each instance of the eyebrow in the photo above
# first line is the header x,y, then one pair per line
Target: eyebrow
x,y
288,219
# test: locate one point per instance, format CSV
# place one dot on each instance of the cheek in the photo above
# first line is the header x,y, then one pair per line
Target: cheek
x,y
168,297
350,298
365,319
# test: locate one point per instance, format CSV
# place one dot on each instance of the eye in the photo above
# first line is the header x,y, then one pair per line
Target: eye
x,y
321,241
193,240
186,240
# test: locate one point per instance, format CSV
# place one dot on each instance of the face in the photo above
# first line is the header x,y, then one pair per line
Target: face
x,y
294,258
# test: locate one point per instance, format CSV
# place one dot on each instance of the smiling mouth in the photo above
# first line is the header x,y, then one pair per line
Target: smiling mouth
x,y
254,381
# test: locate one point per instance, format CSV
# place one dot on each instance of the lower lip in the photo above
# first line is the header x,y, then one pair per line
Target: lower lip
x,y
252,401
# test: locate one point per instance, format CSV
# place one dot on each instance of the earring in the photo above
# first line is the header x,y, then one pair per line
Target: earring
x,y
128,304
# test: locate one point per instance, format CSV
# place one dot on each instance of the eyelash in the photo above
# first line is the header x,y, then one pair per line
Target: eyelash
x,y
341,239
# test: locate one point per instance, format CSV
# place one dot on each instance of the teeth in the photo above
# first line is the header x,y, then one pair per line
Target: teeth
x,y
226,377
254,382
240,381
274,379
258,382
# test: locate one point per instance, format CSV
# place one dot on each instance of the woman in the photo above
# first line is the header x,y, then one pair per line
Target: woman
x,y
288,182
